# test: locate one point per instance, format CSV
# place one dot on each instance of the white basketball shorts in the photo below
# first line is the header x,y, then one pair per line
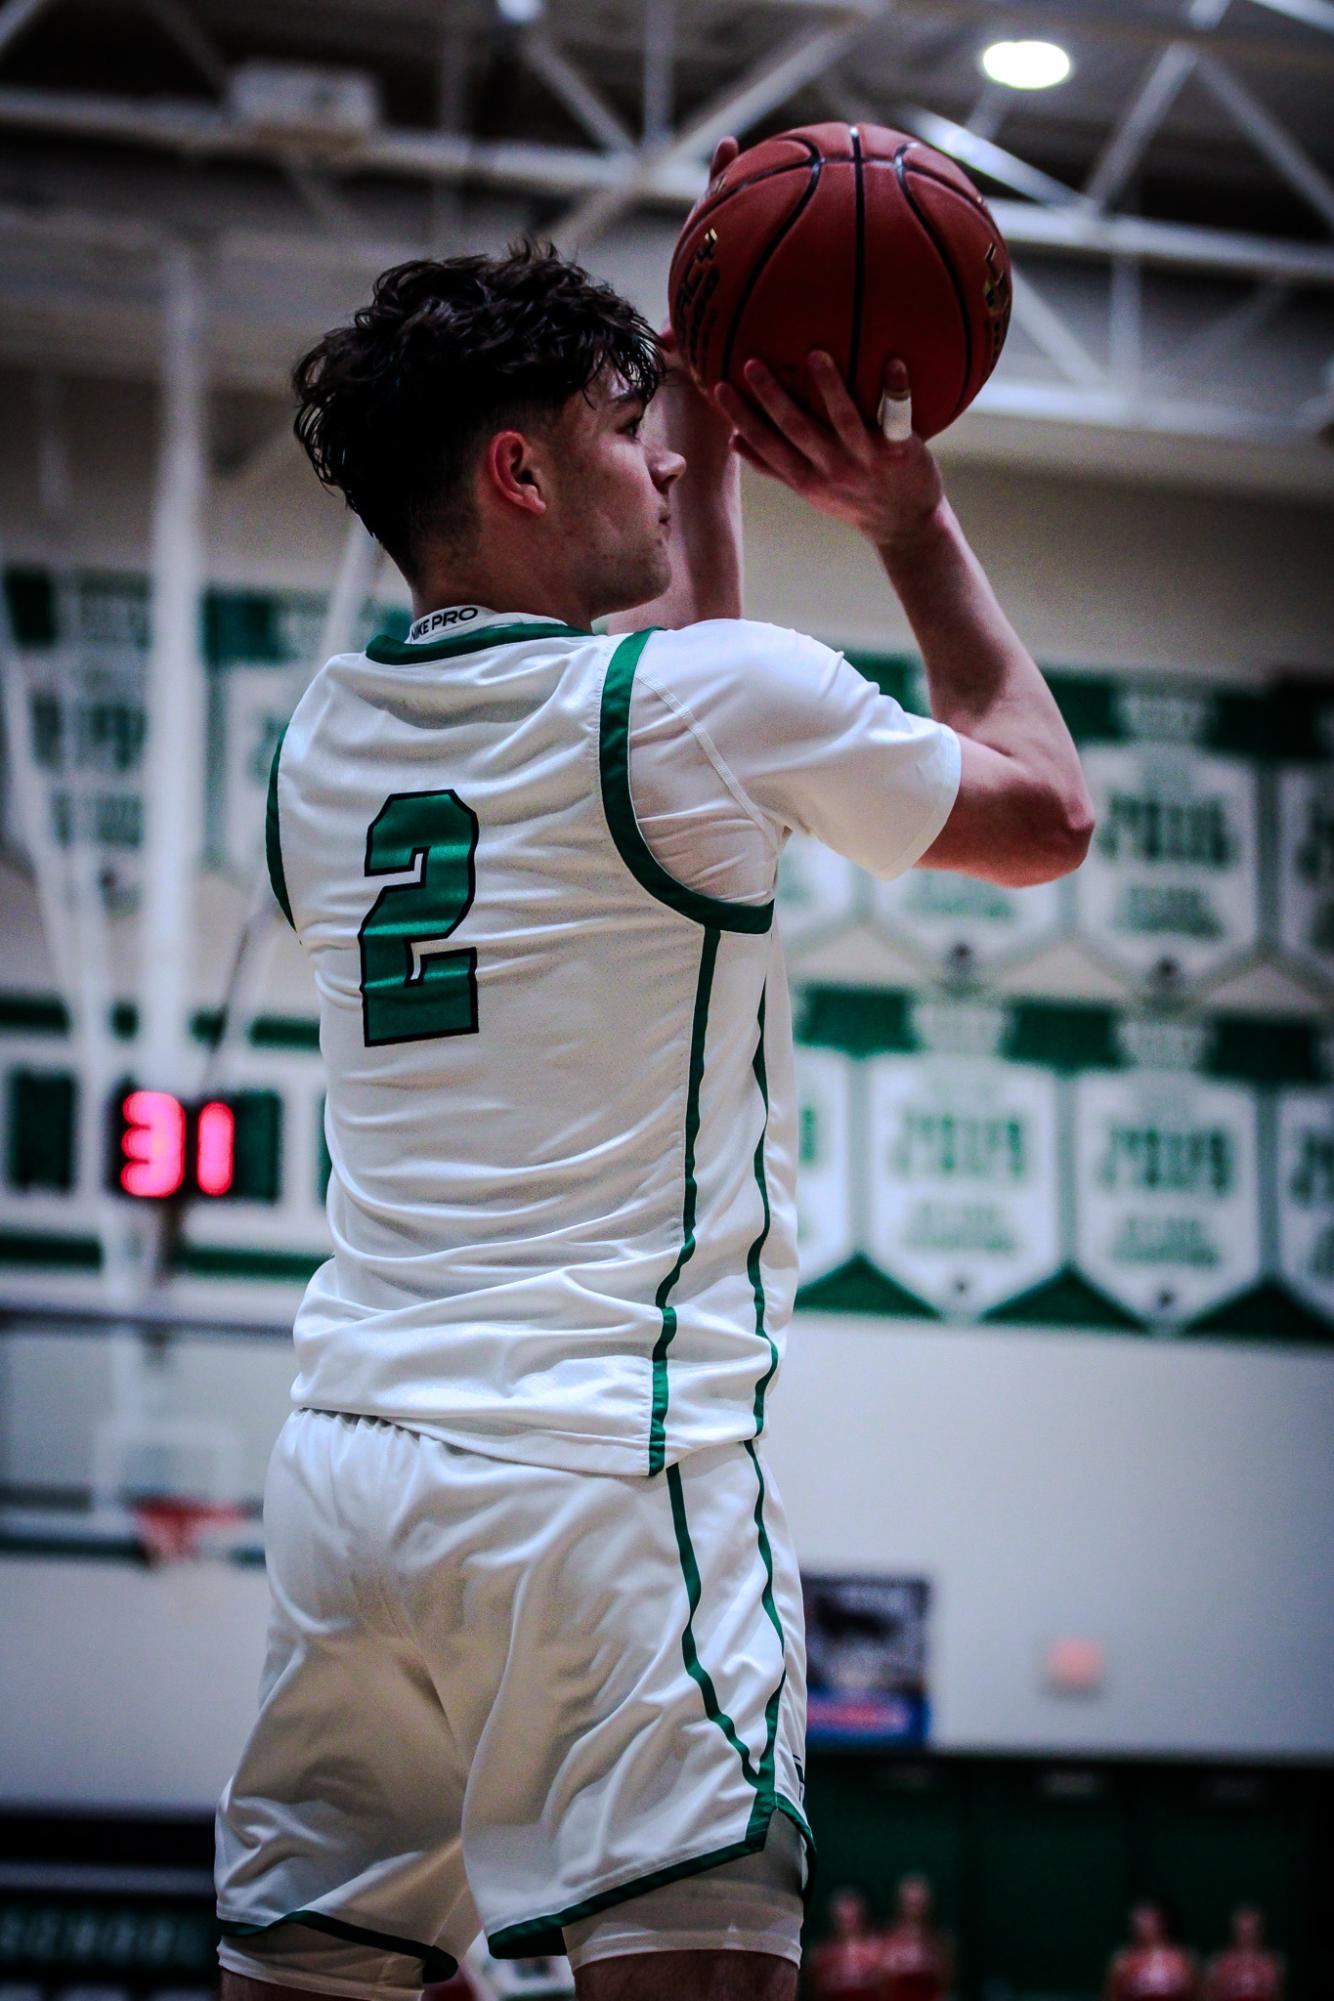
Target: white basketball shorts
x,y
502,1697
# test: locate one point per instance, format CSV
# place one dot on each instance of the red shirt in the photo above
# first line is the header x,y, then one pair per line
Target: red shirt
x,y
913,1964
1153,1973
1244,1975
847,1969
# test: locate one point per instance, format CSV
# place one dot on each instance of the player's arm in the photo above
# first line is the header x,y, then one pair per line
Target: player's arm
x,y
1022,814
705,536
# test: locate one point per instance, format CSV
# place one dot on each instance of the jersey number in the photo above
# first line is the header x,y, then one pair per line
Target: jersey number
x,y
411,988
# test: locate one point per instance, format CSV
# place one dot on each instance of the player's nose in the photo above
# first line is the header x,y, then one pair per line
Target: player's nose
x,y
667,469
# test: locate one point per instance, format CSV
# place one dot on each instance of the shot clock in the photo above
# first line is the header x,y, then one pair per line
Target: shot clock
x,y
164,1147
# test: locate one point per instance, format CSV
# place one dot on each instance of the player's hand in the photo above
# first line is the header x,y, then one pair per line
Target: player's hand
x,y
683,415
887,487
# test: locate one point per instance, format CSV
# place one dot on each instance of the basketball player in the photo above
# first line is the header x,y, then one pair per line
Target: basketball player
x,y
535,1659
915,1959
1246,1970
1151,1967
846,1967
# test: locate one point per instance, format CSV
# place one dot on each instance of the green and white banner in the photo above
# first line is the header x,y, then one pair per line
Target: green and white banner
x,y
964,1195
1171,886
1067,1163
1101,1103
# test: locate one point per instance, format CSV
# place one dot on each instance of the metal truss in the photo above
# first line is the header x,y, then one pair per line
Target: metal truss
x,y
1124,320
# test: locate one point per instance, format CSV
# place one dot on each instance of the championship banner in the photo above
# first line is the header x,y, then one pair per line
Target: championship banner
x,y
964,1196
1068,1164
826,1221
1306,866
818,891
964,928
1063,1121
1305,1178
82,640
1167,1191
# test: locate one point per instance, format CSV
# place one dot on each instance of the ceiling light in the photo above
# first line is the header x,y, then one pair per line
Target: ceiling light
x,y
1026,65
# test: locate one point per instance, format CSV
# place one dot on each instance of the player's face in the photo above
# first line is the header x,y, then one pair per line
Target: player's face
x,y
914,1900
616,478
1146,1925
848,1913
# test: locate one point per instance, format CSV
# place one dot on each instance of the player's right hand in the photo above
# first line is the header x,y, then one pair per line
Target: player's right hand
x,y
887,488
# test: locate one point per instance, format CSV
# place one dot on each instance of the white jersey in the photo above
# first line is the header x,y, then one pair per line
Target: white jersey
x,y
560,1099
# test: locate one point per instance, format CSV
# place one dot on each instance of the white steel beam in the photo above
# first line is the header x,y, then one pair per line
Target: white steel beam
x,y
766,85
1317,412
1115,408
1224,334
1138,123
200,49
1051,332
963,142
587,106
1315,13
670,181
1183,245
1270,138
190,39
15,16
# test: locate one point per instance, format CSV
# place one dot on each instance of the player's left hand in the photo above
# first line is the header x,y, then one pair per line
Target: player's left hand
x,y
888,487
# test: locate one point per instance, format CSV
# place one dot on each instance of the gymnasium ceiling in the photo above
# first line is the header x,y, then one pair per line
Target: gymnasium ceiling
x,y
1170,206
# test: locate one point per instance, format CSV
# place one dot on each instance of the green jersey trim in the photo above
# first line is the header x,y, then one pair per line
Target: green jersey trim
x,y
273,848
436,1964
657,1431
544,1934
695,1667
403,652
761,1778
753,1260
643,864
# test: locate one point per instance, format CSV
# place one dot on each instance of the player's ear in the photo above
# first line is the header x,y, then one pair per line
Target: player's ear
x,y
511,470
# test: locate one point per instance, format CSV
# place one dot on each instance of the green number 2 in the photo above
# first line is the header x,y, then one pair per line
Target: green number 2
x,y
412,990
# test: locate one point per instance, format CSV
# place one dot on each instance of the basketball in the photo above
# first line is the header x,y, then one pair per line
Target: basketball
x,y
851,238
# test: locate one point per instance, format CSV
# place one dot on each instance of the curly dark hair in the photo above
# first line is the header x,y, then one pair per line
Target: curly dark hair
x,y
392,407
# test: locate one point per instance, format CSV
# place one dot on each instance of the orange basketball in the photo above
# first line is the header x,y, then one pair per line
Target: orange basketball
x,y
851,238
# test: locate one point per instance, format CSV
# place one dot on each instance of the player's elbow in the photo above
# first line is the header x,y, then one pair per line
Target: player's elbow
x,y
1055,832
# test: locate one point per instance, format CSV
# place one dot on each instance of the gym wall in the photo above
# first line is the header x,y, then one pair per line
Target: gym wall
x,y
1168,1496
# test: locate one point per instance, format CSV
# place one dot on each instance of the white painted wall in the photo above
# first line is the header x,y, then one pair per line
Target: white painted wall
x,y
1094,570
1174,1502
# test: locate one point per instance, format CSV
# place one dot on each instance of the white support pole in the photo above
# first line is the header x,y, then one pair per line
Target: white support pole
x,y
354,580
1125,329
174,692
